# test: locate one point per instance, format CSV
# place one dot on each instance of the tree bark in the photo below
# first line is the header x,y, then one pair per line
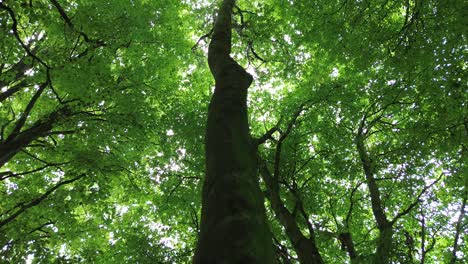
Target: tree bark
x,y
385,240
306,248
458,230
347,244
233,225
20,140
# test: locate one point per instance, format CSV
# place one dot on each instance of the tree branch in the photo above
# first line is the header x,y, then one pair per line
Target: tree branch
x,y
9,174
268,135
22,120
368,168
458,230
416,202
69,23
15,88
207,35
15,33
351,204
25,206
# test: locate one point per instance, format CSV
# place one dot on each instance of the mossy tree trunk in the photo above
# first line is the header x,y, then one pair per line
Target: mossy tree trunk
x,y
233,226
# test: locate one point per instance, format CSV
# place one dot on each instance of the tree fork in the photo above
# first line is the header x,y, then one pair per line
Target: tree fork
x,y
233,227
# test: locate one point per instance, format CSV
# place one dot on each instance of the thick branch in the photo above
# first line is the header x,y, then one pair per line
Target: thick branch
x,y
283,137
17,87
347,243
20,123
282,251
268,135
13,145
305,216
18,69
305,247
63,13
367,164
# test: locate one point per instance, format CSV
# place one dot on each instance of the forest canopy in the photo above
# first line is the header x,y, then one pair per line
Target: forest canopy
x,y
357,109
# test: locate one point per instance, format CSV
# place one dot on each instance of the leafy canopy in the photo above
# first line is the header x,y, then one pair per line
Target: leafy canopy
x,y
103,108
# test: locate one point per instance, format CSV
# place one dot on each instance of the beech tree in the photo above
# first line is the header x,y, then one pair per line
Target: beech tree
x,y
233,131
233,225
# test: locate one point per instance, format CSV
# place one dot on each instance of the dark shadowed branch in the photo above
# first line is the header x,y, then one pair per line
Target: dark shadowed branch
x,y
22,207
16,34
66,18
416,202
458,230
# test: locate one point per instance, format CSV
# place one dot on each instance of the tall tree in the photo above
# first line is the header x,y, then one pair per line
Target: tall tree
x,y
233,227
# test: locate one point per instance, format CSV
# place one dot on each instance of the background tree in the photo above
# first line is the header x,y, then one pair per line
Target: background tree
x,y
77,89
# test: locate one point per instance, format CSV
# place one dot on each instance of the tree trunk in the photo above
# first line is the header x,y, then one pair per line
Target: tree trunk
x,y
347,244
233,225
458,229
384,246
306,248
385,240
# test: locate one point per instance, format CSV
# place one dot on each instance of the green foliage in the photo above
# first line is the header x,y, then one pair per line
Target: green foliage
x,y
124,108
